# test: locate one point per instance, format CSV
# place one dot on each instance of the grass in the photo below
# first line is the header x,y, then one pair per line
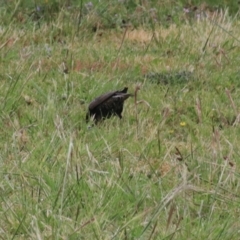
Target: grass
x,y
171,174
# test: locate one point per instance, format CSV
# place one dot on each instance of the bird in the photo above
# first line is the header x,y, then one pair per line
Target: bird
x,y
107,105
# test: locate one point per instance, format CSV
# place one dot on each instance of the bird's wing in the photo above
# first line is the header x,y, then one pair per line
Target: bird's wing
x,y
122,96
97,101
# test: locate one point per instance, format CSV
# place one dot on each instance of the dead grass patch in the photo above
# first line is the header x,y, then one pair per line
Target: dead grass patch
x,y
144,36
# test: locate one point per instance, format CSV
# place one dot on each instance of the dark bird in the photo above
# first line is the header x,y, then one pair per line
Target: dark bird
x,y
107,105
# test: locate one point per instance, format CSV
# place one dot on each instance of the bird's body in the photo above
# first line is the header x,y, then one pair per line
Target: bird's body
x,y
107,105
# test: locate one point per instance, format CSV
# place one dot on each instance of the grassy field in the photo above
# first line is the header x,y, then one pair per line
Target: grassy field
x,y
168,170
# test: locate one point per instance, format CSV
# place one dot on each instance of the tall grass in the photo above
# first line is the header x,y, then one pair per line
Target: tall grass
x,y
171,172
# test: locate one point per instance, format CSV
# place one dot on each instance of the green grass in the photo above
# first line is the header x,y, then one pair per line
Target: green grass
x,y
168,170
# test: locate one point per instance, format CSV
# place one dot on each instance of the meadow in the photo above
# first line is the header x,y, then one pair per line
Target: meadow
x,y
168,170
